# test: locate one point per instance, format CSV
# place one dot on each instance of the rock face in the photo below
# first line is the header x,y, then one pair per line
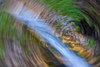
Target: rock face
x,y
67,25
91,9
67,28
25,50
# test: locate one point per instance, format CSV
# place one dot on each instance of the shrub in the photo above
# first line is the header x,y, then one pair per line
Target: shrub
x,y
91,42
77,28
67,8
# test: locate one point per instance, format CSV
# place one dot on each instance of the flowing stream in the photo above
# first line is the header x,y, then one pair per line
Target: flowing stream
x,y
33,21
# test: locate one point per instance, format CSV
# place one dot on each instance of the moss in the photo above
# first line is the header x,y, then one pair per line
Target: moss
x,y
7,29
7,25
1,49
91,42
77,29
67,8
58,26
3,31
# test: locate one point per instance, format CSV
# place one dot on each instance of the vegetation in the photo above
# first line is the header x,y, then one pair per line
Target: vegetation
x,y
77,29
6,29
91,42
58,26
1,50
67,8
6,25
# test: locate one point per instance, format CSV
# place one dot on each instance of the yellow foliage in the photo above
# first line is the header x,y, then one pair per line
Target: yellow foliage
x,y
76,47
67,38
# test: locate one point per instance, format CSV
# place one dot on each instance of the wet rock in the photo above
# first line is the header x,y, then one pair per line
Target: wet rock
x,y
70,19
68,26
73,23
64,24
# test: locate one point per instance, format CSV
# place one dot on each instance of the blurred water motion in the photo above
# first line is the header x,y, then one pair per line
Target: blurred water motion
x,y
29,18
33,44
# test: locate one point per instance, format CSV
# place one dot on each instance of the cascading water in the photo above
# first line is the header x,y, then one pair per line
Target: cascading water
x,y
33,21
